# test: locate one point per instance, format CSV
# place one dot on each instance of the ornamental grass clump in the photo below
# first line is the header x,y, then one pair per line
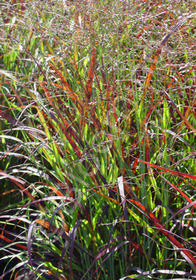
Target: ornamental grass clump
x,y
97,137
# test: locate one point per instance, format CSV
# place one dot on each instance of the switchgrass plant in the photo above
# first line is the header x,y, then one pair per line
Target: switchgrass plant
x,y
97,119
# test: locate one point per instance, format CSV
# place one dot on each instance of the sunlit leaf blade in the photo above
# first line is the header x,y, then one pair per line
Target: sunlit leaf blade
x,y
156,57
170,171
188,256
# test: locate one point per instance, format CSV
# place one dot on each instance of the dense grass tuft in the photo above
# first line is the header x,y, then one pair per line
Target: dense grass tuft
x,y
97,137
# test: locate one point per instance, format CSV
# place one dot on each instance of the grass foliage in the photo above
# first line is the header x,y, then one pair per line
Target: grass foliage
x,y
97,137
